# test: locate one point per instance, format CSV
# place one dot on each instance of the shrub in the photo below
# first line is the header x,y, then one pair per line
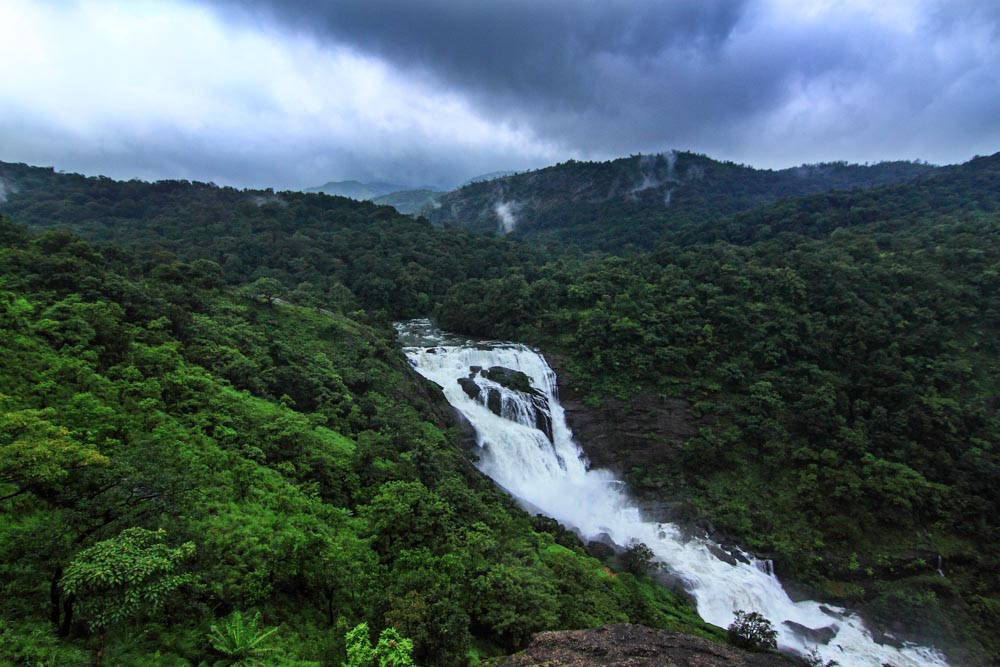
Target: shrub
x,y
751,630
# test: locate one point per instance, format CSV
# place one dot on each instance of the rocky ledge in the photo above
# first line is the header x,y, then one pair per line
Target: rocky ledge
x,y
636,646
644,430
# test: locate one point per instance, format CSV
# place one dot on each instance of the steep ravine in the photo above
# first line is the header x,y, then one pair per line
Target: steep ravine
x,y
647,432
545,471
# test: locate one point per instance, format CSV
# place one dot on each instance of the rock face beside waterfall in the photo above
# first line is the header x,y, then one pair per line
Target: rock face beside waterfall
x,y
636,646
516,383
642,431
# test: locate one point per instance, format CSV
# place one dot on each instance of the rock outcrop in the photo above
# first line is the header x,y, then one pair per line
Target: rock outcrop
x,y
636,646
513,381
644,430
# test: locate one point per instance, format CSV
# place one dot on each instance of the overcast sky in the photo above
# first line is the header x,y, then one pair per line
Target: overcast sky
x,y
293,93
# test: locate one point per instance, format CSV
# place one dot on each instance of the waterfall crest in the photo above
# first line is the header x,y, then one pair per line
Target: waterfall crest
x,y
551,475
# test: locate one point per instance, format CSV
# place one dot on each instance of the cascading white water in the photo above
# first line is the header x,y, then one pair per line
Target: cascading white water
x,y
553,477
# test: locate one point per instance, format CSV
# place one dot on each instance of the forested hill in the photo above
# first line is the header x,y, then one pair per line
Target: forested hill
x,y
958,192
838,353
632,201
331,251
194,475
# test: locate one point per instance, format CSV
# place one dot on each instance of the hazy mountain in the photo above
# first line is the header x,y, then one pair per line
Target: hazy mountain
x,y
357,189
410,201
608,205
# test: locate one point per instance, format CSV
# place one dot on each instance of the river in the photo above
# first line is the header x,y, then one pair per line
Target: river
x,y
551,475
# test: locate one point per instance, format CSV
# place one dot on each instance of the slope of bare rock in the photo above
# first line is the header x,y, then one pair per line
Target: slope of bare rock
x,y
636,646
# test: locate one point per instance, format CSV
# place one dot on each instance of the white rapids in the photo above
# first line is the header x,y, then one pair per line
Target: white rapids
x,y
553,477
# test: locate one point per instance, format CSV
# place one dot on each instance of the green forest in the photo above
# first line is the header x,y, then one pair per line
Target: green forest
x,y
208,430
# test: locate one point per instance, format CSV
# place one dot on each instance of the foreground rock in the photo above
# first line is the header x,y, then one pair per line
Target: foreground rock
x,y
636,646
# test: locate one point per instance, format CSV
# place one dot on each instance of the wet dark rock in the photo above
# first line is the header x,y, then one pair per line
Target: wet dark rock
x,y
605,538
507,377
644,431
636,646
470,387
735,553
722,555
815,635
494,401
833,613
886,638
543,418
514,381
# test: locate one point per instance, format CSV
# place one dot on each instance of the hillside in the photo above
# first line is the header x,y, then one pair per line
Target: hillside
x,y
332,251
177,457
833,357
633,201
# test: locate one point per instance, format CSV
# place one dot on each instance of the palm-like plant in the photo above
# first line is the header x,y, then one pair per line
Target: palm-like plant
x,y
242,642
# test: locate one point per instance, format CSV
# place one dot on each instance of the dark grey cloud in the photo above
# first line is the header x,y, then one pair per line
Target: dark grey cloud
x,y
291,93
850,79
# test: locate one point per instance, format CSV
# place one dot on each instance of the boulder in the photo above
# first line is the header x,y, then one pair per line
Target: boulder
x,y
470,387
886,639
816,636
724,556
636,646
494,401
508,377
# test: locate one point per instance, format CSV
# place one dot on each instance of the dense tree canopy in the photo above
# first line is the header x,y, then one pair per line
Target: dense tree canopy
x,y
840,350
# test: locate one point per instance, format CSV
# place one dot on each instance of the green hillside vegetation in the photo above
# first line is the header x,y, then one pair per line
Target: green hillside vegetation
x,y
629,203
314,245
842,348
189,473
848,362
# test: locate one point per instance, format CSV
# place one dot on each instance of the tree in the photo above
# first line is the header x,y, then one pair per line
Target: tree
x,y
118,578
751,630
638,558
34,453
268,289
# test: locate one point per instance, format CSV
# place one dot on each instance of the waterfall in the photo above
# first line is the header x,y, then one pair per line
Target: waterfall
x,y
551,475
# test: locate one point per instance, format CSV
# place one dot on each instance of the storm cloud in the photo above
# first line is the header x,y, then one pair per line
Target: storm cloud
x,y
295,92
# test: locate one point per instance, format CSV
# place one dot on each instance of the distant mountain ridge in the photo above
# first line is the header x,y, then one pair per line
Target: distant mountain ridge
x,y
634,200
357,189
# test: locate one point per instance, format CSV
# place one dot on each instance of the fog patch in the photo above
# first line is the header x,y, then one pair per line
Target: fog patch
x,y
6,189
261,200
695,172
670,157
506,213
656,171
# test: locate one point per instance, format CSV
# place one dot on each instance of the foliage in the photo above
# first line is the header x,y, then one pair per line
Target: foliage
x,y
813,659
322,481
241,641
638,558
117,578
392,649
752,631
839,351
